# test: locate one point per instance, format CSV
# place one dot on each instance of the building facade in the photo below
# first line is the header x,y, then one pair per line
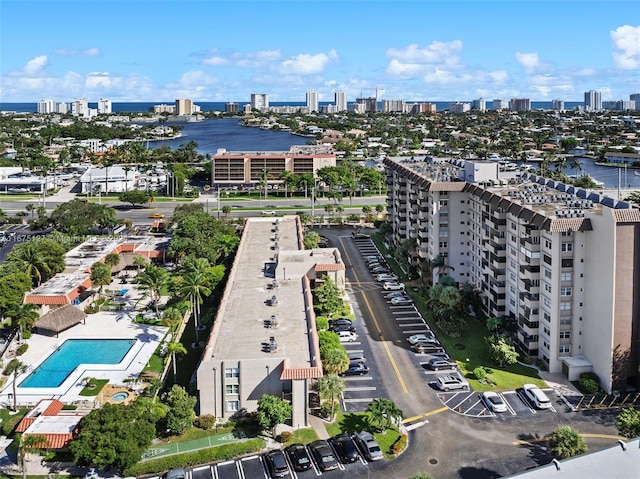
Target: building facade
x,y
264,338
499,104
46,107
183,106
556,260
458,107
340,98
104,106
80,107
592,100
557,105
260,101
245,169
479,104
312,101
520,104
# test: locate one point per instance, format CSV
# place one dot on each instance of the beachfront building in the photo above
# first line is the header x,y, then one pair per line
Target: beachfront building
x,y
183,106
340,101
312,101
244,169
557,105
520,104
592,100
260,101
458,107
500,104
113,179
104,106
394,106
264,339
46,107
555,259
479,104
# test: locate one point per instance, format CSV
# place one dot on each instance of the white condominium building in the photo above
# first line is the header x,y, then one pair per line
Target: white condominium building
x,y
341,101
592,100
479,104
104,106
312,101
558,261
80,107
260,101
46,107
557,105
394,106
499,104
458,107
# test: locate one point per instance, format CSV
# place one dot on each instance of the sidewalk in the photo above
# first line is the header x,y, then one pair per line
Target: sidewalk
x,y
318,426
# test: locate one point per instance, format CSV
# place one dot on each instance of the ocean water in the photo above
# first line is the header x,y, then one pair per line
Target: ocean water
x,y
143,107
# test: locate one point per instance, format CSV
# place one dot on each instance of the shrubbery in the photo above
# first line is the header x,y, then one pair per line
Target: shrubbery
x,y
22,349
284,436
206,421
399,445
589,383
194,458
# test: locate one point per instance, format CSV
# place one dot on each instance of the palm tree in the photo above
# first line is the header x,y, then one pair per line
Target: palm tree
x,y
566,442
335,361
154,279
23,315
226,209
265,174
30,208
33,443
173,348
3,216
331,386
384,413
171,317
151,197
379,209
194,286
576,164
139,261
31,261
15,367
112,259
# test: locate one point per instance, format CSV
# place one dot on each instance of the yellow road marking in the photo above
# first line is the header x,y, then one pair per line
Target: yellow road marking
x,y
546,438
431,413
373,316
426,414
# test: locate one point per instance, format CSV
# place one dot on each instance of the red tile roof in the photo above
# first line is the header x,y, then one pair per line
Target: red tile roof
x,y
329,267
300,373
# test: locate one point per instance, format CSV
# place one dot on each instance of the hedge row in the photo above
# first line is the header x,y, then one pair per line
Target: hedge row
x,y
194,458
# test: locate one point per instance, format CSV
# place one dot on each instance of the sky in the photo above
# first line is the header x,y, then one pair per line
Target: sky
x,y
218,50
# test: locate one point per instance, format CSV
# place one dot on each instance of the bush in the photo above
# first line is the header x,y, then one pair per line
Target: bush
x,y
325,409
322,323
399,445
206,421
479,373
526,359
194,458
22,349
588,383
26,334
541,365
285,436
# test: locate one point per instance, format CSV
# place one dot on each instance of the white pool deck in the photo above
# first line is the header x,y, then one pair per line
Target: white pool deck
x,y
102,325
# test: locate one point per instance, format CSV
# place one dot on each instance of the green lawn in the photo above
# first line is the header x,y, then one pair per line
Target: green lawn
x,y
304,436
94,387
9,420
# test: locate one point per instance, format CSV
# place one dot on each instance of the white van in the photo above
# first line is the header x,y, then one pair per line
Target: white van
x,y
534,394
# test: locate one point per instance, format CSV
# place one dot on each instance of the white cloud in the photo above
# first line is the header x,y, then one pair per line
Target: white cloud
x,y
436,53
67,52
257,59
215,61
308,64
530,61
36,65
626,39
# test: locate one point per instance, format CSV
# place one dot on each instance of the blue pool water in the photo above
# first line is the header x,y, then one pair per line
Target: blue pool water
x,y
73,352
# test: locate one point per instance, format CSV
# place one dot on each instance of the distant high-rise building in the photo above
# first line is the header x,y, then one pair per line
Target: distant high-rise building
x,y
62,108
184,106
369,104
592,100
341,100
312,101
46,106
164,108
80,107
635,97
231,107
499,104
458,107
479,104
260,101
394,106
520,104
104,106
557,105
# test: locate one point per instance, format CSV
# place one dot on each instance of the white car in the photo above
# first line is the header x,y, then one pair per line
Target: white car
x,y
394,294
534,394
393,286
416,338
494,401
385,277
347,336
401,301
268,212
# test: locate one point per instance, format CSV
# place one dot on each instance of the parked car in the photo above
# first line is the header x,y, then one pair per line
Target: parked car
x,y
373,259
361,236
356,368
385,277
393,286
340,322
427,347
437,364
393,294
447,383
347,336
298,457
276,463
368,445
494,401
172,474
345,448
380,270
323,455
338,328
534,394
416,338
357,357
401,301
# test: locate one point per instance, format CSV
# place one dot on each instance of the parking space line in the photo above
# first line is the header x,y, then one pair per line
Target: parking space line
x,y
358,378
413,324
361,388
511,410
474,405
403,312
357,400
408,318
526,402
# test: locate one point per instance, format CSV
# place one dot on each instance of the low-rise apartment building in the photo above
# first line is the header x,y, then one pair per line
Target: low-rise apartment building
x,y
559,260
264,339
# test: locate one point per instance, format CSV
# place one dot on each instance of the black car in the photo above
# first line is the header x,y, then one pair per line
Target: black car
x,y
323,455
339,322
356,368
338,328
276,463
345,448
298,457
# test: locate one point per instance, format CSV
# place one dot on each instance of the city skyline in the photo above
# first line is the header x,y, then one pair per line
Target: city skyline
x,y
225,51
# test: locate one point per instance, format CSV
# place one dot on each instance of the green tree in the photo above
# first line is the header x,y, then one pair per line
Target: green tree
x,y
226,209
23,315
628,422
502,351
13,286
421,475
494,323
174,348
272,411
181,410
328,298
15,368
380,209
77,217
31,260
30,208
100,275
311,240
446,304
194,286
139,261
154,279
335,360
134,197
30,444
172,317
383,413
115,435
112,260
331,386
566,442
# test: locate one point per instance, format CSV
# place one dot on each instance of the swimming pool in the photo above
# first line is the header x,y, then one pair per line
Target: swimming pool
x,y
73,352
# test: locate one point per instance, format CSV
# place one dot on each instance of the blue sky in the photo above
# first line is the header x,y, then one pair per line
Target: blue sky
x,y
160,50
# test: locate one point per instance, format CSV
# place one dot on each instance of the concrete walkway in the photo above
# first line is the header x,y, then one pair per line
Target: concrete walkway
x,y
318,426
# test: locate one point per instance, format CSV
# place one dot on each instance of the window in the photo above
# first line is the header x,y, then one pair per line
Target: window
x,y
443,234
444,224
566,320
443,244
566,276
567,233
547,302
567,247
232,406
444,202
565,306
565,334
547,287
546,258
547,273
566,291
513,238
232,373
513,226
565,349
547,317
232,389
567,263
547,244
